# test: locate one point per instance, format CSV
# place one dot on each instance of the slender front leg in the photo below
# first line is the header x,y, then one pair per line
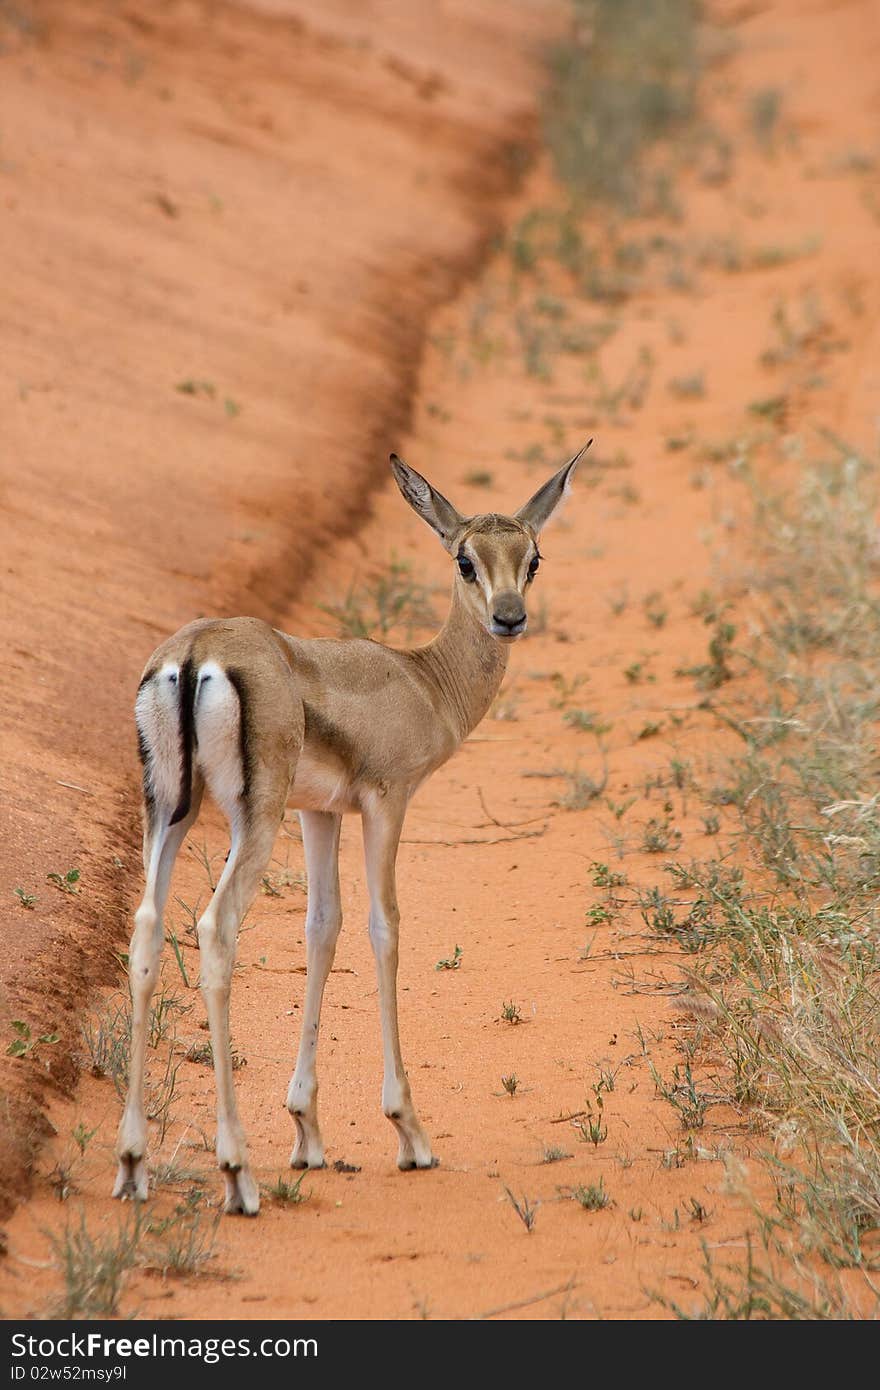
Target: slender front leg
x,y
161,844
383,822
320,831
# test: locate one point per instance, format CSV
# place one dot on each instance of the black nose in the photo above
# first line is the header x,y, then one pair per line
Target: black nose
x,y
508,613
506,621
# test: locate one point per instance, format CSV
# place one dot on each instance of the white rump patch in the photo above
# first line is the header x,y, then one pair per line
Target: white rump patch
x,y
218,735
157,714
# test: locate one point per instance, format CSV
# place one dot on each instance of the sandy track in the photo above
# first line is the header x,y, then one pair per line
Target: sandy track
x,y
643,525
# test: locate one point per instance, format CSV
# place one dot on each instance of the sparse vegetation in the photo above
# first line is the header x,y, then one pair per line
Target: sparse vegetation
x,y
182,1242
586,721
785,975
715,672
93,1268
526,1210
554,1154
658,836
592,1197
623,80
581,790
593,1129
394,599
106,1035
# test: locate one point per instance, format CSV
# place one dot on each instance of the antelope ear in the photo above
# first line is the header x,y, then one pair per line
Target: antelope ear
x,y
430,504
539,509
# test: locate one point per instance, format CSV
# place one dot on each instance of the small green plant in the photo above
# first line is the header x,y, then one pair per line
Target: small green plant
x,y
24,1042
680,772
287,1193
604,877
510,1012
66,883
637,672
554,1154
658,836
607,1078
510,1083
682,1094
82,1137
657,912
27,900
526,1210
586,721
592,1197
593,1129
480,477
598,914
655,610
183,1242
717,670
452,962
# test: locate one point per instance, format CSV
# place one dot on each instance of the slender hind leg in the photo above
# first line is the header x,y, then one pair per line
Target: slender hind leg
x,y
382,826
254,828
161,844
320,831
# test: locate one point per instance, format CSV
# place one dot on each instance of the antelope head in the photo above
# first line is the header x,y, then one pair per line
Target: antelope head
x,y
496,557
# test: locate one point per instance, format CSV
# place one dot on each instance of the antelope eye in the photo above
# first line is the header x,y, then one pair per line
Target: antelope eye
x,y
533,566
466,568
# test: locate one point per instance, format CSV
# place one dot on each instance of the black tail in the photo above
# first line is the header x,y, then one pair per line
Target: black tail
x,y
245,734
187,696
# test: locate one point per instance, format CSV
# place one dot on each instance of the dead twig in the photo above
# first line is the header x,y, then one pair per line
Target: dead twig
x,y
504,824
479,840
524,1302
